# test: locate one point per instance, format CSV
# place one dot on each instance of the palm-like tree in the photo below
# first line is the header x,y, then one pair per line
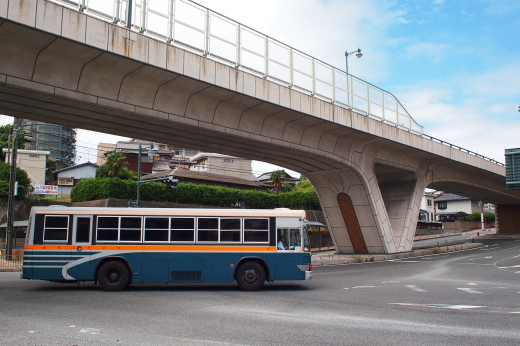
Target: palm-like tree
x,y
277,180
116,163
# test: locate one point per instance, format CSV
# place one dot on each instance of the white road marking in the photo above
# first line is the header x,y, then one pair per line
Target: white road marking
x,y
472,284
346,288
487,257
415,288
32,331
470,290
92,331
442,306
389,282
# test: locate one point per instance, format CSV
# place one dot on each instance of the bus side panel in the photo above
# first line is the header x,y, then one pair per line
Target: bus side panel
x,y
154,271
81,267
216,271
291,266
27,269
288,271
186,271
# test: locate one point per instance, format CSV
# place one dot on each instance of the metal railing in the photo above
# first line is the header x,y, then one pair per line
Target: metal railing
x,y
456,147
193,27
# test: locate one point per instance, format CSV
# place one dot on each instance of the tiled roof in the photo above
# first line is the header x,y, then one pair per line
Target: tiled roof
x,y
185,173
76,166
450,197
267,176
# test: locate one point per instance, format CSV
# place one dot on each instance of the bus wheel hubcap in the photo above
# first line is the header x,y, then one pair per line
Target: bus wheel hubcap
x,y
250,276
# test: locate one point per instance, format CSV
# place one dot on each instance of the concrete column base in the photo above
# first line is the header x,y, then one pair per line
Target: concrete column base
x,y
508,219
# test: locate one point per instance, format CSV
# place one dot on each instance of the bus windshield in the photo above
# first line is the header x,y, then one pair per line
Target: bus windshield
x,y
293,239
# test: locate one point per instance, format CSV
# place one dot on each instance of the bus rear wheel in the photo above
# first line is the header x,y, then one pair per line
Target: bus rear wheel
x,y
113,276
250,276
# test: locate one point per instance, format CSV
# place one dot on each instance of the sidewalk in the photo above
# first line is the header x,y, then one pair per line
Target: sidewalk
x,y
333,258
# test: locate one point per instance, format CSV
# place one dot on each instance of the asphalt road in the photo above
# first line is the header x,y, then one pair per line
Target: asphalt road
x,y
466,298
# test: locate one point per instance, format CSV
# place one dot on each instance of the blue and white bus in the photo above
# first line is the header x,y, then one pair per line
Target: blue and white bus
x,y
119,246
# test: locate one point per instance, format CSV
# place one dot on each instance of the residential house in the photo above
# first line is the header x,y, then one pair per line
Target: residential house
x,y
222,165
427,209
68,177
266,178
449,206
204,178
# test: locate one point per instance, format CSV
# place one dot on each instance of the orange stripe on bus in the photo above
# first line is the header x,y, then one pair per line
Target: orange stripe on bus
x,y
172,248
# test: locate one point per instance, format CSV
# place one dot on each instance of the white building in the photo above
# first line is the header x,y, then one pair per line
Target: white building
x,y
427,212
68,177
449,204
222,164
34,162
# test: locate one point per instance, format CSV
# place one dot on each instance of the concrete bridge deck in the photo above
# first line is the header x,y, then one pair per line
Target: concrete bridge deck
x,y
61,66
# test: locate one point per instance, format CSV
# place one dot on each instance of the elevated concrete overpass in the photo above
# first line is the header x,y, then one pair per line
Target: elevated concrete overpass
x,y
61,66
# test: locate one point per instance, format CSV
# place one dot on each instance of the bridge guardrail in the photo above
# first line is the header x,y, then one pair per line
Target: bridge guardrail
x,y
193,27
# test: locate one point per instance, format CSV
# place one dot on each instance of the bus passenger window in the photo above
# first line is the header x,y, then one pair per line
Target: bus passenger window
x,y
182,229
107,228
256,230
230,230
130,229
156,229
56,229
207,229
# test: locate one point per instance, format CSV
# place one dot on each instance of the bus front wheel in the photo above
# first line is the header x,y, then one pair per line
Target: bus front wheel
x,y
250,276
113,276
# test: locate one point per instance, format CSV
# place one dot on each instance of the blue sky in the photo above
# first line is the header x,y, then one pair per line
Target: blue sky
x,y
453,64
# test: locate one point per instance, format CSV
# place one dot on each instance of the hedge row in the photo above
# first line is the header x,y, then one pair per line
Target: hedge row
x,y
91,189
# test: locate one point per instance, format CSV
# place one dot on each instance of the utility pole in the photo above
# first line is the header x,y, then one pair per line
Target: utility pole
x,y
11,198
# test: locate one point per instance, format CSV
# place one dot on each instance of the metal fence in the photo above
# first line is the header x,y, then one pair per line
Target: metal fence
x,y
16,259
193,27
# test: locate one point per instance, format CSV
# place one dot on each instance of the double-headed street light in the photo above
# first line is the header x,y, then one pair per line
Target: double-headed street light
x,y
347,54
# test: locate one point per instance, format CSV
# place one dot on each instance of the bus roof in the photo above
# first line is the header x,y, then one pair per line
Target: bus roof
x,y
278,212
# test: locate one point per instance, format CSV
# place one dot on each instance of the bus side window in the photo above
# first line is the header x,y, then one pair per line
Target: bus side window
x,y
56,229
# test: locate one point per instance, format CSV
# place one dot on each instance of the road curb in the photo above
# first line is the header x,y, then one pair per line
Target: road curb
x,y
331,259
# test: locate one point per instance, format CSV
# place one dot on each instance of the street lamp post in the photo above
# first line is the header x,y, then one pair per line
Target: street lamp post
x,y
347,54
139,150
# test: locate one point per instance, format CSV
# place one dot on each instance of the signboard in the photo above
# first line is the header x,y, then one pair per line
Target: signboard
x,y
46,189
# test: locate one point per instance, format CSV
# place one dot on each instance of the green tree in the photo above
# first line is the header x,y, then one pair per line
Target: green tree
x,y
287,188
277,180
304,184
5,137
24,182
115,167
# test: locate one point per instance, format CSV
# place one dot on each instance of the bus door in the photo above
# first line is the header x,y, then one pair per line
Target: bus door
x,y
80,266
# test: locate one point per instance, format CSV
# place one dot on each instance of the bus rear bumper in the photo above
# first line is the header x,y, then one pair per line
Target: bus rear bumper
x,y
308,274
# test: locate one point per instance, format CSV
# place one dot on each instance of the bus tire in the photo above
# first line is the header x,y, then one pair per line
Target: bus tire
x,y
113,276
250,276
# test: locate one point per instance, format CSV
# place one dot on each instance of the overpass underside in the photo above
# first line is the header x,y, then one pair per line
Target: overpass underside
x,y
60,66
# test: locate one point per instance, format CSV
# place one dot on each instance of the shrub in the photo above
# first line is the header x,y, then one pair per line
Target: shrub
x,y
90,189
